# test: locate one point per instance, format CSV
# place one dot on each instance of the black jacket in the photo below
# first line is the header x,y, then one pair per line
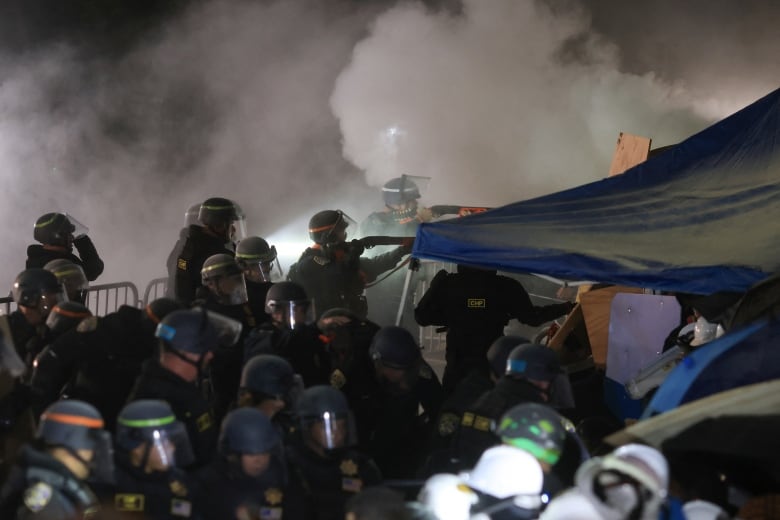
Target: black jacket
x,y
89,259
198,246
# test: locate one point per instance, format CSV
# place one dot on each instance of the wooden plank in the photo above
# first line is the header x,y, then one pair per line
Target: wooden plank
x,y
629,151
574,318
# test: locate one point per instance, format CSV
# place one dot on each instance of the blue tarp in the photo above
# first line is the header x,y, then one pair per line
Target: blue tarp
x,y
699,218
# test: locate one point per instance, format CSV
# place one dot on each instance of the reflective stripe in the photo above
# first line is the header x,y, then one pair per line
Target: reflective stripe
x,y
321,228
76,420
42,224
146,423
72,314
217,266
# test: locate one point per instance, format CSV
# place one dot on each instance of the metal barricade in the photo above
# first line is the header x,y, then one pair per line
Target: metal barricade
x,y
106,298
7,305
156,288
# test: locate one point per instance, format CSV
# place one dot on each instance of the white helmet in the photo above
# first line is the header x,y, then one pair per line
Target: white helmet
x,y
510,475
632,481
704,332
446,497
571,505
703,510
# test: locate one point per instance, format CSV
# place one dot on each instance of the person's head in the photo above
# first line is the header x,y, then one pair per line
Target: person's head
x,y
224,279
36,291
539,366
499,351
346,333
325,420
57,230
72,432
188,339
377,503
256,258
329,227
72,278
397,359
149,439
400,194
222,218
269,384
247,440
632,481
66,316
507,479
288,305
155,311
536,429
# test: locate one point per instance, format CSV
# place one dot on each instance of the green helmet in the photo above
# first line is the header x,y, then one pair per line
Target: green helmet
x,y
535,428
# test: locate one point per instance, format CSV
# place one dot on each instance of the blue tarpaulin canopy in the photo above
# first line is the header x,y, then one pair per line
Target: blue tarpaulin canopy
x,y
700,218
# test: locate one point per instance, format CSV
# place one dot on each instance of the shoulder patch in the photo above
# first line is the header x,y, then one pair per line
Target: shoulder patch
x,y
448,423
38,496
337,379
321,260
273,496
129,502
204,422
88,324
181,264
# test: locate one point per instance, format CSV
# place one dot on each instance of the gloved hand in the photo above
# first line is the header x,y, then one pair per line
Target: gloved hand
x,y
356,248
407,244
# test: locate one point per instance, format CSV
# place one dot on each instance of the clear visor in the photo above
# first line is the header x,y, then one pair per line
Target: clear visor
x,y
75,283
259,271
61,320
231,289
79,229
101,467
238,227
292,313
170,447
330,431
228,329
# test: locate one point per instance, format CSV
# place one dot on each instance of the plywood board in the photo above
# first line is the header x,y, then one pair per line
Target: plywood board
x,y
630,151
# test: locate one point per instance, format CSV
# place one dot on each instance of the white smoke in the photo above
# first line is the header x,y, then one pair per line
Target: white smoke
x,y
503,102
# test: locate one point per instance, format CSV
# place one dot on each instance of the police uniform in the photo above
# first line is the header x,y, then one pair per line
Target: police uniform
x,y
256,293
475,305
335,276
154,496
42,488
188,404
90,261
324,484
98,362
198,246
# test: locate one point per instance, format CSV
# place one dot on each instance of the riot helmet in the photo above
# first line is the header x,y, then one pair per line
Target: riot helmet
x,y
267,376
54,229
256,258
288,305
159,308
535,428
397,359
188,331
248,439
72,278
539,366
225,279
223,217
631,482
329,226
37,291
77,427
447,496
191,215
498,353
65,316
400,190
149,437
325,419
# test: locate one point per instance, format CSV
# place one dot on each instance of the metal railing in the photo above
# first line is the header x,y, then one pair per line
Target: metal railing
x,y
156,288
106,298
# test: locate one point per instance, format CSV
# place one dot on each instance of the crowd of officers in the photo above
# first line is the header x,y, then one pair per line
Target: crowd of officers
x,y
243,396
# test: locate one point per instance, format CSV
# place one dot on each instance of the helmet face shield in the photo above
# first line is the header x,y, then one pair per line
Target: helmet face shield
x,y
291,313
329,431
169,447
230,290
78,229
228,329
101,467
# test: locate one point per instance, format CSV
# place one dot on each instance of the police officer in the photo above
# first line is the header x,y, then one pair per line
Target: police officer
x,y
15,412
269,384
402,213
36,291
190,219
247,477
324,468
332,271
475,304
399,435
151,446
257,259
72,278
187,340
291,334
49,480
221,222
100,360
58,233
533,374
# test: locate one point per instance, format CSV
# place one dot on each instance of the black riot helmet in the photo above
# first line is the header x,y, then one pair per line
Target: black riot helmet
x,y
394,347
288,304
159,308
225,279
325,417
535,428
77,425
247,431
151,423
54,229
38,288
534,362
220,215
267,375
499,350
256,258
72,278
188,330
65,316
325,227
400,190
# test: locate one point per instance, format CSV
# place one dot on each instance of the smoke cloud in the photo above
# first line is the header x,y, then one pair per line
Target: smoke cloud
x,y
293,106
